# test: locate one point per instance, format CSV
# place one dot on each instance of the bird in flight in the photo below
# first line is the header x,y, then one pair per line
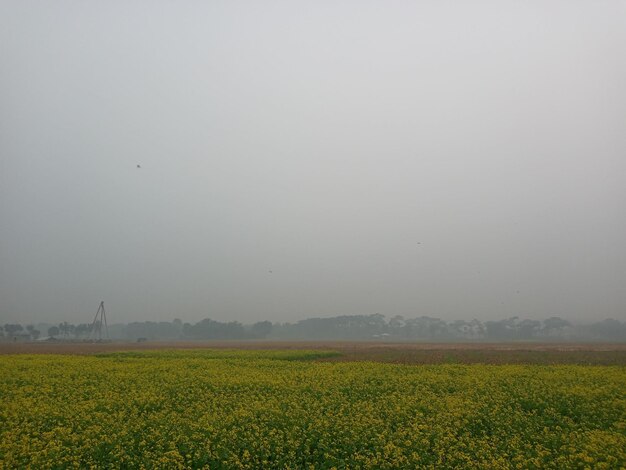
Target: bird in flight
x,y
138,166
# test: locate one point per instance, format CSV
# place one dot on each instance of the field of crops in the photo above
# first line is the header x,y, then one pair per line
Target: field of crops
x,y
286,409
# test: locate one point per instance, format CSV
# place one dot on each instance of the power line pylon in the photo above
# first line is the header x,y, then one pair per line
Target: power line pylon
x,y
95,332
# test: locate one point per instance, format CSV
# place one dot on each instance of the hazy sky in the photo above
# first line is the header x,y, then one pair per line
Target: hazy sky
x,y
303,158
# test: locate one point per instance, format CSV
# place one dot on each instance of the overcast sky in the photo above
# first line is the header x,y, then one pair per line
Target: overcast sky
x,y
303,158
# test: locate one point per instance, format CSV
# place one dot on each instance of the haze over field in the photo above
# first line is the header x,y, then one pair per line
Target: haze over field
x,y
280,160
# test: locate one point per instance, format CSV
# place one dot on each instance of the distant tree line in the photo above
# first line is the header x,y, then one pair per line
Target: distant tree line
x,y
15,330
149,330
345,327
398,328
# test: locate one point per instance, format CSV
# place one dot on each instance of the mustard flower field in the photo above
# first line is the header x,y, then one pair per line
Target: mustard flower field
x,y
286,409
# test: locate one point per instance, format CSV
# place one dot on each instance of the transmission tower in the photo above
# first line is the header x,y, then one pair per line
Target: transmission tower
x,y
95,332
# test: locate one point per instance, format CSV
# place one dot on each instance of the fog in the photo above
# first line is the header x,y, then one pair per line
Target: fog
x,y
281,160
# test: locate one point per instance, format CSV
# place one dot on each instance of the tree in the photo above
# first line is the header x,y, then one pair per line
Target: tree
x,y
53,331
32,331
81,330
528,328
396,324
12,329
477,328
261,329
459,329
555,323
609,329
66,328
178,325
503,329
211,329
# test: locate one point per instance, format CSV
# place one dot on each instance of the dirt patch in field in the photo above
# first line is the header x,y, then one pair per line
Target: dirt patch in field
x,y
486,356
400,353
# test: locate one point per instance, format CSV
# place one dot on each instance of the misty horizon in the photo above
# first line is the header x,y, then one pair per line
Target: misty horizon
x,y
247,162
